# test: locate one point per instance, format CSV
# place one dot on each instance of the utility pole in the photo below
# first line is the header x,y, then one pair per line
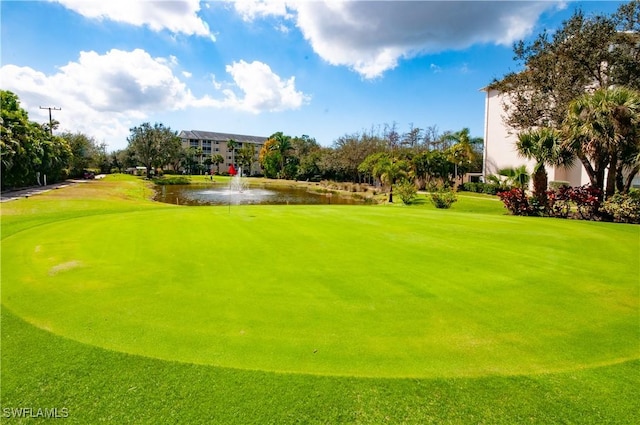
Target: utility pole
x,y
51,108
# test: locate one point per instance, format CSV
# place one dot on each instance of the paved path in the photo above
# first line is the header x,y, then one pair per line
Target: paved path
x,y
11,195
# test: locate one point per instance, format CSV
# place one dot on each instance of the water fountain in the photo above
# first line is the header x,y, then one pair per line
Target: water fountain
x,y
239,192
237,188
237,184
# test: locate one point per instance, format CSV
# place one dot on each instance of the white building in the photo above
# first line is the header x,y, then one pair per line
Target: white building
x,y
500,146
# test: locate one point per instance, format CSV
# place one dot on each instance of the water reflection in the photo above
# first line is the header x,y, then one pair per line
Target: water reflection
x,y
194,194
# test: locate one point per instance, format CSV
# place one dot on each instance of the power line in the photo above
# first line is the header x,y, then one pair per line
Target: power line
x,y
51,108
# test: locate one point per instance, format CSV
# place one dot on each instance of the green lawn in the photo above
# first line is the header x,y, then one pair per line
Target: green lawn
x,y
127,310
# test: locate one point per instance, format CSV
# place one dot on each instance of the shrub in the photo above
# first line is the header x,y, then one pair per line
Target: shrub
x,y
172,180
624,208
517,202
469,187
587,200
406,190
443,198
555,185
480,187
490,189
559,202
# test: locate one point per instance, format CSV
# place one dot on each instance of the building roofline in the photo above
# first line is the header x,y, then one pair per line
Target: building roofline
x,y
211,135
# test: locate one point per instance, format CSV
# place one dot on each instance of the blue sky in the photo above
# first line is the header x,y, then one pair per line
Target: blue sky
x,y
321,68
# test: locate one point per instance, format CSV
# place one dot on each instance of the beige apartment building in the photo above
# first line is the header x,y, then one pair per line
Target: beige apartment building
x,y
210,143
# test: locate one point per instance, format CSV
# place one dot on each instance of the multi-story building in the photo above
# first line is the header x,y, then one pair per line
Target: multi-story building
x,y
500,145
209,143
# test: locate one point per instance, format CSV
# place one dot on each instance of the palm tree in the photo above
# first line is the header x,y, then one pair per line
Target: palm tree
x,y
465,149
388,170
283,146
464,138
602,129
518,177
246,157
217,159
544,145
231,146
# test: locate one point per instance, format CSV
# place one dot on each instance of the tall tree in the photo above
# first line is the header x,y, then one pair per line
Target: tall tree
x,y
217,159
149,144
388,170
269,158
306,150
350,150
465,152
586,53
432,166
284,147
28,150
84,151
231,147
144,144
16,142
391,135
603,130
412,138
246,157
56,156
171,150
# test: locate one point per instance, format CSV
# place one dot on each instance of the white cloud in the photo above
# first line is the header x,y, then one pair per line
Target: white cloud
x,y
187,74
105,95
282,28
175,16
215,82
262,89
370,37
250,9
102,95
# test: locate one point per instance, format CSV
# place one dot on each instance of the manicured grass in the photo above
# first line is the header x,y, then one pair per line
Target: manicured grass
x,y
42,370
447,301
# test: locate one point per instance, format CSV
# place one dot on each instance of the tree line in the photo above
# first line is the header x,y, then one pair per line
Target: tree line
x,y
379,155
30,152
32,155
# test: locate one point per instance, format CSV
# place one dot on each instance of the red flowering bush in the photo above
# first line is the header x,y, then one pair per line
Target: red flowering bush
x,y
587,200
517,202
582,202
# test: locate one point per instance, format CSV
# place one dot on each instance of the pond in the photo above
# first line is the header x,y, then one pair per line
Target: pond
x,y
219,194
